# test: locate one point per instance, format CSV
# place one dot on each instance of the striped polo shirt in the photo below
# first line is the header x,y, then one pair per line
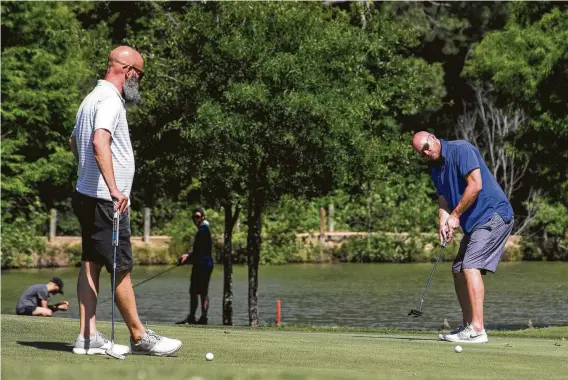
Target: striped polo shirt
x,y
103,108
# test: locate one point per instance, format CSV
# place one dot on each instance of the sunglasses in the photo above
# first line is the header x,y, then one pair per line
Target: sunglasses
x,y
426,146
197,216
139,72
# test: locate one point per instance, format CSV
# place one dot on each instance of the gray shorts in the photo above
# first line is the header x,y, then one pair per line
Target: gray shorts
x,y
483,247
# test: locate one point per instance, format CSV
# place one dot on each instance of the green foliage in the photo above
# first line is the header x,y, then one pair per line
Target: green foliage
x,y
551,224
304,101
262,100
394,248
43,75
21,235
527,64
255,90
453,24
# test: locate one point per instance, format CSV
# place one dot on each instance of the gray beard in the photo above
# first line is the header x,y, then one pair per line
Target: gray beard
x,y
131,90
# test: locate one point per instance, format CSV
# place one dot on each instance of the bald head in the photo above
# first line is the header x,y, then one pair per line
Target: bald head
x,y
427,144
127,56
419,140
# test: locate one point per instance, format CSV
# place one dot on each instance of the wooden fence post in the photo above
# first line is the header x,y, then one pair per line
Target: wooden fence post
x,y
52,224
147,215
322,224
330,210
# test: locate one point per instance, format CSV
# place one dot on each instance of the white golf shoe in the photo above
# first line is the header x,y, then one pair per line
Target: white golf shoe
x,y
97,345
468,335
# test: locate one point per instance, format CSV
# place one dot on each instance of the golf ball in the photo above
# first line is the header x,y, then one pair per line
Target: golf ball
x,y
210,356
458,348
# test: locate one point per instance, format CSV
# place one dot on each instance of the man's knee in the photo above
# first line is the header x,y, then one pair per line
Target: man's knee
x,y
122,275
468,272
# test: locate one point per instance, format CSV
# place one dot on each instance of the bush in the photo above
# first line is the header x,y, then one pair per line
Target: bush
x,y
393,248
21,237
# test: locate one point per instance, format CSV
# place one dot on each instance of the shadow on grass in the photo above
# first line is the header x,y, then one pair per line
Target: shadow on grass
x,y
52,346
393,337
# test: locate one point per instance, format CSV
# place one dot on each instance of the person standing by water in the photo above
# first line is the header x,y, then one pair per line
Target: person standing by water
x,y
202,260
100,142
469,197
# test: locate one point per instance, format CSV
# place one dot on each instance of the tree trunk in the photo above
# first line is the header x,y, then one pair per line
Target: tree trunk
x,y
230,220
256,204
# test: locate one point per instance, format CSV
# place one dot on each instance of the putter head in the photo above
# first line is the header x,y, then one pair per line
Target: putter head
x,y
115,355
415,313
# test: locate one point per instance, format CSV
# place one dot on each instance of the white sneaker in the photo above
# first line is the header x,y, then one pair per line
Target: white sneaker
x,y
154,344
97,345
459,329
468,335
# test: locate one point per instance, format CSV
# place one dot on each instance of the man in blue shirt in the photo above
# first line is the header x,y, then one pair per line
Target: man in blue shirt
x,y
469,197
202,260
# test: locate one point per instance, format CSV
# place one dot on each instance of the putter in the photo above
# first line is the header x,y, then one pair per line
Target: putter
x,y
115,229
418,313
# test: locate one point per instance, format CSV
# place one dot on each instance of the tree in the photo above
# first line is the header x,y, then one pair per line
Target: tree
x,y
448,30
527,63
263,100
491,129
44,73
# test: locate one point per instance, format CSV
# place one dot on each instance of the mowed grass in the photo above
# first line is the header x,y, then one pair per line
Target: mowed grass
x,y
40,348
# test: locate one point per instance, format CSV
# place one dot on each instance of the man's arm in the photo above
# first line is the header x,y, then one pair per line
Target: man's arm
x,y
474,186
43,303
472,189
58,306
103,155
73,146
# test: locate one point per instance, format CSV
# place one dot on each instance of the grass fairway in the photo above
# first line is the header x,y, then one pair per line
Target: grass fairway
x,y
40,348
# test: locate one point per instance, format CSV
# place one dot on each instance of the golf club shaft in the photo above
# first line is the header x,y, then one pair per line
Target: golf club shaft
x,y
115,232
154,276
432,273
144,281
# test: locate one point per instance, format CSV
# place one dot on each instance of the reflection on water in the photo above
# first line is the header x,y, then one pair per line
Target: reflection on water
x,y
364,295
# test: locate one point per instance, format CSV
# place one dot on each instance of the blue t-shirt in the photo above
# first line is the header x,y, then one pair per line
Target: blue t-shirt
x,y
458,159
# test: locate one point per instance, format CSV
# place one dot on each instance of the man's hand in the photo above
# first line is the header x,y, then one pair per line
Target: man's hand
x,y
121,201
63,305
452,223
183,259
443,234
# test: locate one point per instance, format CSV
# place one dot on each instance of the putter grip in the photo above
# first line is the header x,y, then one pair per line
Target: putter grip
x,y
115,225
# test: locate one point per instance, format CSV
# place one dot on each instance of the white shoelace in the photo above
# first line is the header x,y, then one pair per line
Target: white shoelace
x,y
99,334
152,337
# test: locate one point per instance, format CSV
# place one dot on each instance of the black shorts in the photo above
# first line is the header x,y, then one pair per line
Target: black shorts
x,y
28,310
95,216
200,277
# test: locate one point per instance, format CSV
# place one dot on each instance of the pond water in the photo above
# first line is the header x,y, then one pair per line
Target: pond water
x,y
363,295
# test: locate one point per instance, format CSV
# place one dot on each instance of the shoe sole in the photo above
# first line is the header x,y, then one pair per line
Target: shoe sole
x,y
94,351
472,341
168,353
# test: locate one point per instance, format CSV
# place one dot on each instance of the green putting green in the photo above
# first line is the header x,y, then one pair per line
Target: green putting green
x,y
40,348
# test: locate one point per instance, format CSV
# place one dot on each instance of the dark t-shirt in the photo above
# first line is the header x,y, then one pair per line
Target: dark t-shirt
x,y
32,297
202,248
459,158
